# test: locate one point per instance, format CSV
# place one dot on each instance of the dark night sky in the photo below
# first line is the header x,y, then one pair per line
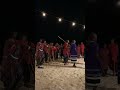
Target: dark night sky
x,y
105,19
68,9
98,16
16,16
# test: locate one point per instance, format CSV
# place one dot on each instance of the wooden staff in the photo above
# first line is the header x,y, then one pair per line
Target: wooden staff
x,y
61,39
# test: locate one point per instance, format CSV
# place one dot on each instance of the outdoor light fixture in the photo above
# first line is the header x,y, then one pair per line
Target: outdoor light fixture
x,y
73,23
60,19
43,14
83,26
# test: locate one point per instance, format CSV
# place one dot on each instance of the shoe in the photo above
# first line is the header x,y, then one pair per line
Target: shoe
x,y
74,65
40,67
64,63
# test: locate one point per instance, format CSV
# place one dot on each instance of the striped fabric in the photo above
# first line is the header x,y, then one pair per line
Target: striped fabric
x,y
93,77
73,52
73,58
92,65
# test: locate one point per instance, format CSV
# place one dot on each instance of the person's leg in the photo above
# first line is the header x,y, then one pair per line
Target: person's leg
x,y
53,57
41,63
25,73
38,62
65,60
104,72
28,73
61,55
46,57
74,64
82,54
56,55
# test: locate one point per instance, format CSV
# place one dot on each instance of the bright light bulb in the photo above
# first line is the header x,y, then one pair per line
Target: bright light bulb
x,y
60,19
43,14
73,24
84,26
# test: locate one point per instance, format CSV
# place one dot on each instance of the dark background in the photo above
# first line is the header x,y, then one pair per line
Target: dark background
x,y
49,28
100,16
21,16
103,18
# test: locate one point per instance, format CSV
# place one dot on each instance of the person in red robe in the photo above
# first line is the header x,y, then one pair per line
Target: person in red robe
x,y
40,55
78,50
37,53
56,51
31,57
104,59
11,69
61,51
26,59
45,47
50,51
82,48
66,52
114,52
69,46
53,48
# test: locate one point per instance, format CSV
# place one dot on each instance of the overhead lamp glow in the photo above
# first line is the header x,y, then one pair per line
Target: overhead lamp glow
x,y
73,23
83,26
118,3
60,19
43,14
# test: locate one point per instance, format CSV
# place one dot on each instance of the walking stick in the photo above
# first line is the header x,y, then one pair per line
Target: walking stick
x,y
61,39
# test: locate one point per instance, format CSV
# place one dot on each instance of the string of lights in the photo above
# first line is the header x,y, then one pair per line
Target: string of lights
x,y
60,20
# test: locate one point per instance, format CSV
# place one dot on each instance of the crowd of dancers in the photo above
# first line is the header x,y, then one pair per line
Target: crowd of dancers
x,y
50,52
19,54
17,62
99,58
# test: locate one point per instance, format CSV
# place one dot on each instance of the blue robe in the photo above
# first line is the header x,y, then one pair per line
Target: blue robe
x,y
92,64
73,52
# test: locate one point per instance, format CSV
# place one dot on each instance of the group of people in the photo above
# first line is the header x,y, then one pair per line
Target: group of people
x,y
17,61
49,52
99,59
19,54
